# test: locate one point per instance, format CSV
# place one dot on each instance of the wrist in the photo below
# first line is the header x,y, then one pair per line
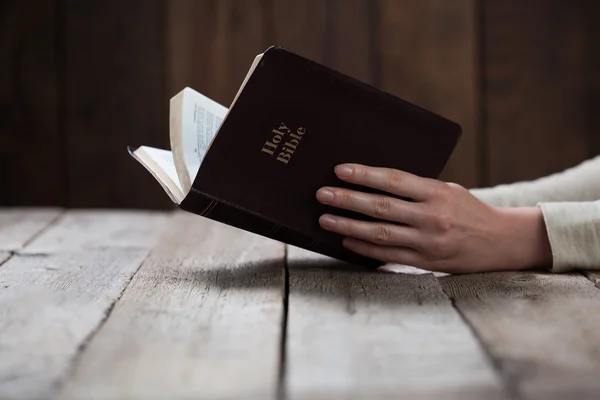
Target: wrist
x,y
527,244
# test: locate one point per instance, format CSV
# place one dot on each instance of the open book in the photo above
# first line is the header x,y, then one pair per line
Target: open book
x,y
194,122
257,165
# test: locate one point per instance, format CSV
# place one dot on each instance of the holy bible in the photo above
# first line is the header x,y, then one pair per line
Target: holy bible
x,y
258,164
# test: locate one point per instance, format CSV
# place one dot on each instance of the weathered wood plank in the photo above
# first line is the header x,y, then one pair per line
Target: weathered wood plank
x,y
49,306
594,277
428,55
4,256
541,329
19,225
377,335
96,229
201,319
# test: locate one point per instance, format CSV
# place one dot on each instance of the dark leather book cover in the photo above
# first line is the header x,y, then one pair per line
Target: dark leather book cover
x,y
294,121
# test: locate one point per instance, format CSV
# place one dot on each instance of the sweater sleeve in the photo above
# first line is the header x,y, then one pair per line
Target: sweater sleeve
x,y
570,204
579,183
574,234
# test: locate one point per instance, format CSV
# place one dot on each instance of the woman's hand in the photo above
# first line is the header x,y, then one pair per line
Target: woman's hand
x,y
445,228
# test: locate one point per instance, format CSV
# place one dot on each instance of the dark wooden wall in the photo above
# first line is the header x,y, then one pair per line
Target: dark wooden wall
x,y
81,80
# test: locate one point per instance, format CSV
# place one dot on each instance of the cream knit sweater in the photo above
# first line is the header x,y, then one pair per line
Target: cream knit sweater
x,y
570,203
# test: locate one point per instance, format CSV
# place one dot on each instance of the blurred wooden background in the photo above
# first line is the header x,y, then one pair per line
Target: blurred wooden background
x,y
81,80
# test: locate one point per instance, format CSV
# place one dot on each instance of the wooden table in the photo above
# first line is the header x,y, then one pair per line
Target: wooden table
x,y
143,305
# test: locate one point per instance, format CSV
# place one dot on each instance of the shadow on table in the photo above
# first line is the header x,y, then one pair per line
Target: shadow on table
x,y
327,279
317,279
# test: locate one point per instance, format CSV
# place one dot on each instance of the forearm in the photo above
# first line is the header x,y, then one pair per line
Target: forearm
x,y
523,238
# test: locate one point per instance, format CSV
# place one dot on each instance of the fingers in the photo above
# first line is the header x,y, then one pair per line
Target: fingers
x,y
389,180
377,233
388,254
377,206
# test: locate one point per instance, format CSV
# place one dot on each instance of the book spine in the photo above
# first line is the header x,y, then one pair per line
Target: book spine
x,y
205,206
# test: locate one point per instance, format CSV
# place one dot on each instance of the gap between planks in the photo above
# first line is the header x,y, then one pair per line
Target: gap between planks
x,y
20,225
203,311
84,344
50,305
359,334
84,230
4,256
539,327
510,385
281,393
593,276
55,299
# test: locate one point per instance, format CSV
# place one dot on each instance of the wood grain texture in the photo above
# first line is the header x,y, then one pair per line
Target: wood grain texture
x,y
190,32
201,319
213,43
428,56
357,334
4,256
541,329
50,306
594,277
299,26
239,36
83,230
536,86
348,38
592,34
29,105
20,225
115,77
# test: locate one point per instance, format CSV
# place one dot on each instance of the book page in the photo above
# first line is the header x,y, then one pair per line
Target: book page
x,y
161,165
201,118
164,159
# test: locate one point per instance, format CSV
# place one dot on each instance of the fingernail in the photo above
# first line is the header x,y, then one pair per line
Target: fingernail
x,y
325,195
327,221
343,170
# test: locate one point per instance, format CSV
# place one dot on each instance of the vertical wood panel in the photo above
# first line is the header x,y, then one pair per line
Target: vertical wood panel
x,y
536,87
84,79
592,34
300,27
115,78
31,149
213,43
348,39
335,33
191,37
240,36
428,56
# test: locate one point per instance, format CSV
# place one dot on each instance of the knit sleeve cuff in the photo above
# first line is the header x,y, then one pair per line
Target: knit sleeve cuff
x,y
574,234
